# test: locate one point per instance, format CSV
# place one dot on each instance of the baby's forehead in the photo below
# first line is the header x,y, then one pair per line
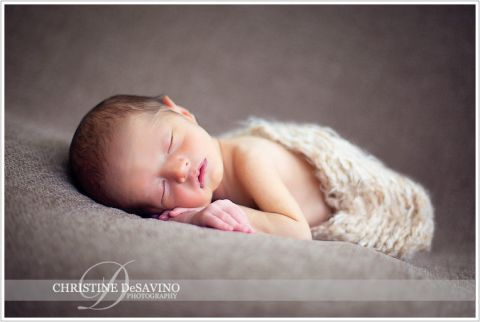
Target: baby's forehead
x,y
139,127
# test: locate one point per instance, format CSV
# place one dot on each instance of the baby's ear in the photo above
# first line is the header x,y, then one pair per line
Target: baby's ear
x,y
159,98
167,101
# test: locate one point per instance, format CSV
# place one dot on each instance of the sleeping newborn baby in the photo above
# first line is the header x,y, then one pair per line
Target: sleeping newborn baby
x,y
149,156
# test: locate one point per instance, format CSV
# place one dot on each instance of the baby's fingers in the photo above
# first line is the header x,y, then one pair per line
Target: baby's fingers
x,y
163,217
215,222
222,214
177,211
242,219
228,218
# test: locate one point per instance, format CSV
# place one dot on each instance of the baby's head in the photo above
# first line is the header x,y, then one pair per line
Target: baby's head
x,y
145,154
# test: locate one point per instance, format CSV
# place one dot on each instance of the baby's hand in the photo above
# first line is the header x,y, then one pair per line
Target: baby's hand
x,y
220,214
223,215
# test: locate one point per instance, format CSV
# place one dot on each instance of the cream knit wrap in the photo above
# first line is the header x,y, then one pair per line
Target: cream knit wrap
x,y
373,205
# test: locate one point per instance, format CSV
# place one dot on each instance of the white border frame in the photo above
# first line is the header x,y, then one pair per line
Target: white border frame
x,y
232,2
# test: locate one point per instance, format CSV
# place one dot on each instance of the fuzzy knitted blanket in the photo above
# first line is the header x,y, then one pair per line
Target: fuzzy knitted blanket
x,y
374,206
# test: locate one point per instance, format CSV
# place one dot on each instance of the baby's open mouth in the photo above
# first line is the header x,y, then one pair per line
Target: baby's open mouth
x,y
201,173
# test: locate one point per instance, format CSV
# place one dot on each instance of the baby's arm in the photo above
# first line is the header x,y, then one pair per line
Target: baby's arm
x,y
279,212
228,216
276,224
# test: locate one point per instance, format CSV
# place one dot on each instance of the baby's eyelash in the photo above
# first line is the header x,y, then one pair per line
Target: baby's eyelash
x,y
171,141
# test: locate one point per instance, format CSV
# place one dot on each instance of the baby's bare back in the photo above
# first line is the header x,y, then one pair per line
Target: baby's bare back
x,y
297,175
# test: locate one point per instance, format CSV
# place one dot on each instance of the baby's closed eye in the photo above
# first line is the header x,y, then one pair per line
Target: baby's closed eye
x,y
171,143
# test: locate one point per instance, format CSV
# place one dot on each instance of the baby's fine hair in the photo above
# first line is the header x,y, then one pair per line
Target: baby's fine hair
x,y
87,158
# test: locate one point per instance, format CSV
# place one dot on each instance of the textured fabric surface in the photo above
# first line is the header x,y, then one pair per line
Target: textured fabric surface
x,y
397,80
373,206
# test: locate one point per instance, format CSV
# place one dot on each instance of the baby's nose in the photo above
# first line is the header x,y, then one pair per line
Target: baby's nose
x,y
180,169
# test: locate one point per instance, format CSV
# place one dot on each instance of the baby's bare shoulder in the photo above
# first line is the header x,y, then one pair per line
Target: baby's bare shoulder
x,y
251,151
260,155
253,146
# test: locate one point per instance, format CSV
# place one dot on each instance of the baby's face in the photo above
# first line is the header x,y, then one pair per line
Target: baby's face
x,y
163,161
